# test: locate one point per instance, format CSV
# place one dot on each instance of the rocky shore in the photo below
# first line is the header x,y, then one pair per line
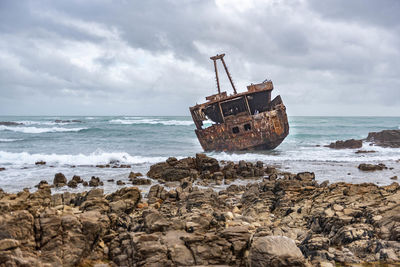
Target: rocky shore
x,y
277,219
385,138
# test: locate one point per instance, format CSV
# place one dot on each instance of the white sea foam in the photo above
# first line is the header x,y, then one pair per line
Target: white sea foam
x,y
78,159
9,140
312,155
152,121
89,118
36,130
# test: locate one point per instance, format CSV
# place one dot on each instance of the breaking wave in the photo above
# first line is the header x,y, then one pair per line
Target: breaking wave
x,y
9,140
152,121
44,122
36,130
78,159
311,155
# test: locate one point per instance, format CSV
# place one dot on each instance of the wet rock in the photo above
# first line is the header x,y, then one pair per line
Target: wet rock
x,y
205,163
133,175
66,121
10,123
42,184
351,144
275,251
120,182
371,167
2,169
41,162
393,178
77,179
72,184
141,181
385,138
365,151
59,180
95,181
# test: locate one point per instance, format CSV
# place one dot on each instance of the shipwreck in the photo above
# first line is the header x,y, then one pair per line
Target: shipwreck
x,y
241,121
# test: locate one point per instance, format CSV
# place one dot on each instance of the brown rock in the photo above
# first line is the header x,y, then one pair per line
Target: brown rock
x,y
40,162
59,180
385,138
141,181
95,181
120,182
352,143
275,251
371,167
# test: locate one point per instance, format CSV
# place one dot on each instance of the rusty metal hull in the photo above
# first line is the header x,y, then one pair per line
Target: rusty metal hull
x,y
267,130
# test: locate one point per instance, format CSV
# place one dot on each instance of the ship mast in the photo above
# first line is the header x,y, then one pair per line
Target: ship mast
x,y
221,57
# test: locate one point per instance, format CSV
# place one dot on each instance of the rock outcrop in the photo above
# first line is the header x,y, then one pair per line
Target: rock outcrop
x,y
282,219
352,143
385,138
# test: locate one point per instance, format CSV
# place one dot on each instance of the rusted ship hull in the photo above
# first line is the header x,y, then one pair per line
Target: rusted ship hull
x,y
267,131
241,121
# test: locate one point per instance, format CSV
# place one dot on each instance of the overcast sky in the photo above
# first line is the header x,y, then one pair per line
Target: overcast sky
x,y
73,57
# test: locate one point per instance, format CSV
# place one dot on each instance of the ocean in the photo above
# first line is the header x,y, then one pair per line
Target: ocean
x,y
76,146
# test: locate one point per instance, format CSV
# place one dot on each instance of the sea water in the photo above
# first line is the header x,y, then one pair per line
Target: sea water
x,y
74,148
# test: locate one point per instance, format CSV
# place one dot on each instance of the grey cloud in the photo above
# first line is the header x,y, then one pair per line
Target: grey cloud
x,y
152,57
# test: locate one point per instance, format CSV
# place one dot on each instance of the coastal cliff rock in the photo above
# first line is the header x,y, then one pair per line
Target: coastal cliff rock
x,y
281,219
385,138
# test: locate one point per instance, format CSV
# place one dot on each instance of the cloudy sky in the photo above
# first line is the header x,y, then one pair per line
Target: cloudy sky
x,y
73,57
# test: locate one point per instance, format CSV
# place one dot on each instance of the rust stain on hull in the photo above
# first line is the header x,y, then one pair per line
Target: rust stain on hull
x,y
242,121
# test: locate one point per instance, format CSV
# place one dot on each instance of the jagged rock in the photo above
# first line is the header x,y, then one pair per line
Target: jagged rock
x,y
141,181
346,144
77,179
120,182
205,163
59,180
133,175
95,181
385,138
72,184
42,184
275,251
371,167
41,162
155,222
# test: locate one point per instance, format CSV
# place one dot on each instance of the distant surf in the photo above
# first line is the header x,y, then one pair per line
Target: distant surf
x,y
152,121
36,130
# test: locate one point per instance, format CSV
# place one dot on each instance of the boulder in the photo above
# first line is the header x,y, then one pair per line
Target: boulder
x,y
77,179
141,181
371,167
72,184
120,182
275,251
352,143
59,180
205,163
95,181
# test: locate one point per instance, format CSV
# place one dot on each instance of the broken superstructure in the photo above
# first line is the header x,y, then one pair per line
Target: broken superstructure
x,y
241,121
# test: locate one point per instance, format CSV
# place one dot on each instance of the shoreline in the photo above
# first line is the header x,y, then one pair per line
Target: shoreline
x,y
182,221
